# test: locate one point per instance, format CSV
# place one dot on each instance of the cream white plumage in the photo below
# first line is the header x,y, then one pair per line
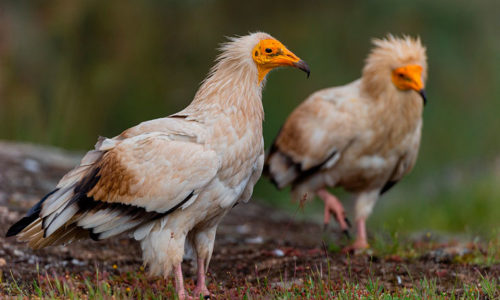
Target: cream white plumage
x,y
363,136
170,181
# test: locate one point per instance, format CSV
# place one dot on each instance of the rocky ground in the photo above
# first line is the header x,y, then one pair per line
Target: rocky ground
x,y
254,242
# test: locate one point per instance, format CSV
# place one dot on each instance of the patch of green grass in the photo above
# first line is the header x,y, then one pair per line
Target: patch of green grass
x,y
313,285
312,288
463,201
96,286
466,203
490,254
490,287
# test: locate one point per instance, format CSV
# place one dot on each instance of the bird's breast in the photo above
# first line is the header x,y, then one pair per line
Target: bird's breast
x,y
238,147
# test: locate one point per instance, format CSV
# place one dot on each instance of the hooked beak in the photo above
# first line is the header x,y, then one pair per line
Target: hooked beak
x,y
270,54
424,96
287,58
302,65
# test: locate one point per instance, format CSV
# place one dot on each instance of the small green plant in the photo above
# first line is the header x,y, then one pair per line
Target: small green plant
x,y
323,278
490,287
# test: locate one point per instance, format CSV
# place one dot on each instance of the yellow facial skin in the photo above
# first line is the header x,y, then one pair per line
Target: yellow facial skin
x,y
409,78
270,54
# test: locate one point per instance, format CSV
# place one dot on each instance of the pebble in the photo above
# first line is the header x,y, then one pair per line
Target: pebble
x,y
278,253
3,262
77,262
255,240
31,165
243,229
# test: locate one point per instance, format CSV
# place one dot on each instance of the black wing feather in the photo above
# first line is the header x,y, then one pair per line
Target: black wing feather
x,y
389,184
86,203
30,217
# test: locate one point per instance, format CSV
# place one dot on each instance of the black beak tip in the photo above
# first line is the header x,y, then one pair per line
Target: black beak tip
x,y
303,66
423,95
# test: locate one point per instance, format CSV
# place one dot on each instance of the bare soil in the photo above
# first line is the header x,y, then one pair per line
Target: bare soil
x,y
253,242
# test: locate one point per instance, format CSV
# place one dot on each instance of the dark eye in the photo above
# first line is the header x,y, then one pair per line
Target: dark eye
x,y
401,75
256,53
269,50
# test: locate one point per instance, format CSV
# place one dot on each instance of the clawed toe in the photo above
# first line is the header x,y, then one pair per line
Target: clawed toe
x,y
202,292
184,296
357,247
347,222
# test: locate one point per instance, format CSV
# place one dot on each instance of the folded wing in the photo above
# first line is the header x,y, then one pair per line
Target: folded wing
x,y
312,138
126,182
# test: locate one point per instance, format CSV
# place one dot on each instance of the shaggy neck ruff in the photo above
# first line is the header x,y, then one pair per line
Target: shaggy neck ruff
x,y
232,86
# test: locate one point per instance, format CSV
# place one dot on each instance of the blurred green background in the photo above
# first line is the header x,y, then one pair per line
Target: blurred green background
x,y
73,70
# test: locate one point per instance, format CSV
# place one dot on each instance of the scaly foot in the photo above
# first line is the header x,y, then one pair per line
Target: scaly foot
x,y
201,287
357,247
203,291
361,242
179,284
333,206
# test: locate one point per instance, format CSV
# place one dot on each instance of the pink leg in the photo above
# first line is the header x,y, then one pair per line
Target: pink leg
x,y
333,205
201,288
361,241
179,283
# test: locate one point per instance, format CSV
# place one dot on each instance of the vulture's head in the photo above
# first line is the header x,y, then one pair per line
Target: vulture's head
x,y
400,63
261,51
270,53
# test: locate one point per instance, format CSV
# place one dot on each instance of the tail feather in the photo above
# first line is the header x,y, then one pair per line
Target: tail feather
x,y
50,207
120,229
32,228
35,240
31,216
282,170
58,207
56,201
48,214
67,213
61,219
64,236
112,223
98,218
21,225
